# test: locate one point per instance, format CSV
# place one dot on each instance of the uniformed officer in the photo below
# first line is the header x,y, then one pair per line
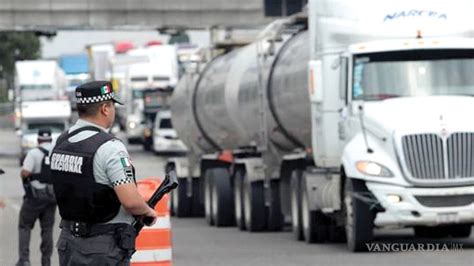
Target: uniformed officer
x,y
95,185
38,202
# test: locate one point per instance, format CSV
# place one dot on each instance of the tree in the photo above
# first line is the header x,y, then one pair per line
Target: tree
x,y
15,46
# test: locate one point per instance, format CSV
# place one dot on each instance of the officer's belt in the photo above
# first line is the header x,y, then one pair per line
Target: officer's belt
x,y
81,229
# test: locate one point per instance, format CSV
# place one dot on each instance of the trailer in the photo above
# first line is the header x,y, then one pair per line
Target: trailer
x,y
343,119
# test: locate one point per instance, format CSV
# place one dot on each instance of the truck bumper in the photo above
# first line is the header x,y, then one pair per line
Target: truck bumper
x,y
168,145
423,206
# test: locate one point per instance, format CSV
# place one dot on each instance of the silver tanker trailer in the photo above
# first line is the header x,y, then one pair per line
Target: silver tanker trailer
x,y
336,124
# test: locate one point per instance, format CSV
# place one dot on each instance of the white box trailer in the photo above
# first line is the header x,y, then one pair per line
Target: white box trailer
x,y
352,120
39,80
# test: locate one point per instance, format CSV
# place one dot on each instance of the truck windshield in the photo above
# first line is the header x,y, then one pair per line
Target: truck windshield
x,y
53,126
35,87
379,76
165,123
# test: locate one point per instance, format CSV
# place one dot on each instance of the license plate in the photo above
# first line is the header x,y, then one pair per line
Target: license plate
x,y
448,217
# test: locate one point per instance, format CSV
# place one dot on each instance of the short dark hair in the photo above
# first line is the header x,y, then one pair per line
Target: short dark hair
x,y
90,109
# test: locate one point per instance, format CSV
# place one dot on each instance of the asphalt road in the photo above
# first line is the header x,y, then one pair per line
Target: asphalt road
x,y
195,243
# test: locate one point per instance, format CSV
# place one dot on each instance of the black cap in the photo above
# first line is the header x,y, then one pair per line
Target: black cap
x,y
44,134
95,92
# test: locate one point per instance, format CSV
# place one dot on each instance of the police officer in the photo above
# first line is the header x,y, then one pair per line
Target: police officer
x,y
38,202
95,185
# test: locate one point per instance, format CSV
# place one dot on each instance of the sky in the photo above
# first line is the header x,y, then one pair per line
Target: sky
x,y
70,42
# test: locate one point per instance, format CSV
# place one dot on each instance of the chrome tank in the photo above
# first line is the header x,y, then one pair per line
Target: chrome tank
x,y
225,100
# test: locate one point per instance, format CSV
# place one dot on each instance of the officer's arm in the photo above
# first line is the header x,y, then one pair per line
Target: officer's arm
x,y
132,201
28,165
120,173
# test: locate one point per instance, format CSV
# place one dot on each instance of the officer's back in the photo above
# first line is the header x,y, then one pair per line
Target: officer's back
x,y
94,185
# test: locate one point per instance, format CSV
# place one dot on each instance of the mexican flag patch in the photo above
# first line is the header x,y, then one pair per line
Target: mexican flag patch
x,y
125,162
105,89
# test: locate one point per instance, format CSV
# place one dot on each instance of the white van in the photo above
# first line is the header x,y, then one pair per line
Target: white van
x,y
165,139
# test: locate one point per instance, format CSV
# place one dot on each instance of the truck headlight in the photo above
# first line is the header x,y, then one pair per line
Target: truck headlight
x,y
132,125
373,169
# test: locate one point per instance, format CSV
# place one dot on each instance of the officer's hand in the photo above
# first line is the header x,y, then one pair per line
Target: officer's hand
x,y
150,217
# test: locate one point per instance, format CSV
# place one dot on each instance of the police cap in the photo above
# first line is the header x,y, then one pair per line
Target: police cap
x,y
44,134
95,92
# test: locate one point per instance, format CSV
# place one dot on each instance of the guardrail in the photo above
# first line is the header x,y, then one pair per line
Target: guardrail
x,y
6,108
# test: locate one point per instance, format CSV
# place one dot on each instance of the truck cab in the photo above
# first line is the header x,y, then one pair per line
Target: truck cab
x,y
54,115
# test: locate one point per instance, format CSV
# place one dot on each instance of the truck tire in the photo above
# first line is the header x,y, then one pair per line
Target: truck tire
x,y
254,205
168,168
238,200
296,204
197,202
275,216
222,199
460,230
208,187
336,233
181,201
314,223
359,219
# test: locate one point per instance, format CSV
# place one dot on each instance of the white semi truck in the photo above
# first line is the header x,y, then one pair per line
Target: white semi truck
x,y
351,119
55,115
150,84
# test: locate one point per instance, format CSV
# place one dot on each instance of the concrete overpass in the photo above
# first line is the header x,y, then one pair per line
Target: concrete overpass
x,y
128,14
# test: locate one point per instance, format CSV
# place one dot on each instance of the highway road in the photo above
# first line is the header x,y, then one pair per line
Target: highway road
x,y
195,243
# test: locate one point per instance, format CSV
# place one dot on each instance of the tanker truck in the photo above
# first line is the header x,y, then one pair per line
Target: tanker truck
x,y
349,120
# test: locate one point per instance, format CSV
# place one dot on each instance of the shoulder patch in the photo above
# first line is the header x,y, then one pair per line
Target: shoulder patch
x,y
127,166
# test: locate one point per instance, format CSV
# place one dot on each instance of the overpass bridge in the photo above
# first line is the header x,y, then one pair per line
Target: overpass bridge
x,y
52,15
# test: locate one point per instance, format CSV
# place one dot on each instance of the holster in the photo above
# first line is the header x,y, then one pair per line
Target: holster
x,y
126,236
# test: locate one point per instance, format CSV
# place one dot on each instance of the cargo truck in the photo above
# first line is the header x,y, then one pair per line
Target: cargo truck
x,y
348,117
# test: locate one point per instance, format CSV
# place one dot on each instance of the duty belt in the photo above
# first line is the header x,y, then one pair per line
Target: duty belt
x,y
81,229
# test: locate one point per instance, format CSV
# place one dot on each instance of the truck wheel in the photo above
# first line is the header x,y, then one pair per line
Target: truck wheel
x,y
254,205
238,202
359,219
337,233
314,223
296,204
460,230
432,232
222,199
208,186
168,168
181,201
197,203
275,216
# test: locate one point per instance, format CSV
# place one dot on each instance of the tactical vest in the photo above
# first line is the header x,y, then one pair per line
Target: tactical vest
x,y
44,176
79,197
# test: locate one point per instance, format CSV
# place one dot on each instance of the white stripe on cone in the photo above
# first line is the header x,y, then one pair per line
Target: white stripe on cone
x,y
162,222
152,255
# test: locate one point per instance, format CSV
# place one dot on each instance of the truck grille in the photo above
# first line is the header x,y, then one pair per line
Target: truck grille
x,y
430,157
446,201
